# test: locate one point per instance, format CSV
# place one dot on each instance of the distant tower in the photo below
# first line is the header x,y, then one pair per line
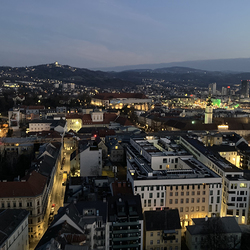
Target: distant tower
x,y
245,88
212,88
209,111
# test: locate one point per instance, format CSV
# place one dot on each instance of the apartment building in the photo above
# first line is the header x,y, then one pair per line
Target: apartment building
x,y
184,183
235,187
30,194
124,223
14,229
162,229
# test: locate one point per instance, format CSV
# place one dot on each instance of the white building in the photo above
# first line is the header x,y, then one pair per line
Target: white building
x,y
90,160
235,188
172,181
14,229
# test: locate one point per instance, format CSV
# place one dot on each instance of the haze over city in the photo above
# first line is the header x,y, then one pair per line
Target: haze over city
x,y
96,34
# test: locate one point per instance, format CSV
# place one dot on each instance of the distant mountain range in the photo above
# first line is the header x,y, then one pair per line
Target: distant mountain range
x,y
236,65
122,79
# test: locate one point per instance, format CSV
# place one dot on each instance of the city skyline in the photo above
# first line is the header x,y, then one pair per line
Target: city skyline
x,y
109,33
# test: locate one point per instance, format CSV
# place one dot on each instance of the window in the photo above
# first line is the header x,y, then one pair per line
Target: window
x,y
182,193
162,195
218,199
158,195
176,201
160,166
152,188
142,196
203,192
203,199
211,192
187,193
171,193
198,192
187,200
158,233
193,193
154,202
151,234
20,204
192,200
158,241
218,192
181,200
8,204
181,209
145,203
187,209
151,242
149,203
157,187
14,204
142,188
170,201
176,193
210,208
192,209
150,195
162,202
212,200
202,208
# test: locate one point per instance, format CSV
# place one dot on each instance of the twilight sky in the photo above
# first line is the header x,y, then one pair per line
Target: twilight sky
x,y
105,33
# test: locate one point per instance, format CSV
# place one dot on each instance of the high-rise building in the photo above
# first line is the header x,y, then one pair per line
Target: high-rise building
x,y
245,88
212,88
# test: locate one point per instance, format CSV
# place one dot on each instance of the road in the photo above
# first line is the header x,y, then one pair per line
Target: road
x,y
57,194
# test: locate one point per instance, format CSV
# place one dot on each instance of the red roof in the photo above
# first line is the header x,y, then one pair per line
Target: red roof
x,y
31,185
35,107
74,116
46,133
107,96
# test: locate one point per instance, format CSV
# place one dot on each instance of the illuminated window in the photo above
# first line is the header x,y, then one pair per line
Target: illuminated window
x,y
116,147
243,185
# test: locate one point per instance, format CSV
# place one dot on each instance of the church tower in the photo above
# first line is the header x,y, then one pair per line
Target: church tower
x,y
209,111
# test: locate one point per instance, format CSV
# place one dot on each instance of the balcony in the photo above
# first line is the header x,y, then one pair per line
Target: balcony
x,y
126,238
126,231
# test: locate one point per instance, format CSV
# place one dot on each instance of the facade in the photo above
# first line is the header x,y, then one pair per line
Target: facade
x,y
30,194
175,180
214,233
14,229
17,145
235,187
74,122
162,229
90,160
124,223
39,125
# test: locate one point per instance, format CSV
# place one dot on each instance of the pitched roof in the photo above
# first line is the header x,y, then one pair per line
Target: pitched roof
x,y
31,185
10,219
223,225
